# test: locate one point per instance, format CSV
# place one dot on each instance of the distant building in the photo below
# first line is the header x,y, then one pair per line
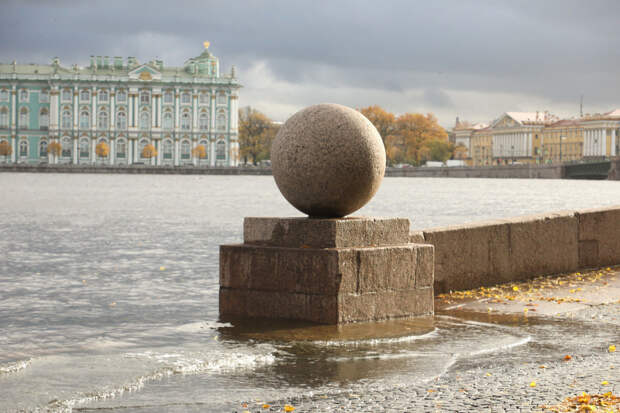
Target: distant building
x,y
124,104
539,137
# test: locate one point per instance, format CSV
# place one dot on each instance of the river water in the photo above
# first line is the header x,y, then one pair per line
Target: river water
x,y
109,293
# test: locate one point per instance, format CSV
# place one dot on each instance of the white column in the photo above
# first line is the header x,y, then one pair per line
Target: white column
x,y
194,110
212,117
93,155
135,150
136,112
15,149
153,111
112,112
160,156
129,154
93,96
176,152
13,110
613,142
177,111
194,144
75,150
212,156
112,150
54,97
76,108
604,142
159,124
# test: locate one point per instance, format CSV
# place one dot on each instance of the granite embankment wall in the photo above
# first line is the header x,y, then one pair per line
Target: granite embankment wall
x,y
134,169
507,171
493,252
503,171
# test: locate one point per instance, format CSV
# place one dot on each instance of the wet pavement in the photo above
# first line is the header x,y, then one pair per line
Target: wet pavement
x,y
572,323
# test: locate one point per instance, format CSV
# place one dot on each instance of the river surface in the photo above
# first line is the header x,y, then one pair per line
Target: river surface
x,y
109,293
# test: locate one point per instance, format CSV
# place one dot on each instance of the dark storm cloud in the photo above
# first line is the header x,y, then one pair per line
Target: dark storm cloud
x,y
550,50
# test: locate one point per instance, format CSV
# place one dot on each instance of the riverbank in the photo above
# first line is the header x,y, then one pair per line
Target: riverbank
x,y
537,375
582,171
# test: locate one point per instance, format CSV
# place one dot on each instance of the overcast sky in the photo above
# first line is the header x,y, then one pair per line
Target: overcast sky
x,y
472,59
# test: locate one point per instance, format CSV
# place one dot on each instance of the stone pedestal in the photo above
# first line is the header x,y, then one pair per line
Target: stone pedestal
x,y
326,271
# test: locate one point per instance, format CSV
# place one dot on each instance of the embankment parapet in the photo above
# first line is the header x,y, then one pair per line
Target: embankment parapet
x,y
493,252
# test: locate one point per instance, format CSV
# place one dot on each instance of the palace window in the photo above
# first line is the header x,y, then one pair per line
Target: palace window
x,y
4,118
204,97
220,122
220,150
204,121
121,96
23,118
121,120
84,119
44,119
84,148
167,121
141,147
103,96
4,95
168,96
205,145
167,149
185,150
23,95
145,97
186,121
23,148
43,149
84,95
186,97
66,119
66,147
66,95
221,98
102,120
121,148
145,120
44,96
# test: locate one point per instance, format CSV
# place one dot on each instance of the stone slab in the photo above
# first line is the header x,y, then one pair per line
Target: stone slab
x,y
325,233
599,236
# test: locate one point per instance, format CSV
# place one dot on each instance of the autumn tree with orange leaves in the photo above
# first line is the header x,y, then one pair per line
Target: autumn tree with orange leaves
x,y
149,151
54,149
411,137
5,149
199,152
102,150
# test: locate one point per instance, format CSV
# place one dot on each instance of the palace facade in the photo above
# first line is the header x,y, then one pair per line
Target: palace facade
x,y
539,137
188,115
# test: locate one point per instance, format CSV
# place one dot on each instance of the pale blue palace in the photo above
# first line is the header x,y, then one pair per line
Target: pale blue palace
x,y
124,104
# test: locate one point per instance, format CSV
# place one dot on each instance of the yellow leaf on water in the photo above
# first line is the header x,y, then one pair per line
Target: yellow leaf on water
x,y
288,408
162,268
604,382
533,384
488,374
612,348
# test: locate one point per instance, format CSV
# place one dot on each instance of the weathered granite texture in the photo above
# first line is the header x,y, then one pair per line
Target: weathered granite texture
x,y
326,271
328,160
599,237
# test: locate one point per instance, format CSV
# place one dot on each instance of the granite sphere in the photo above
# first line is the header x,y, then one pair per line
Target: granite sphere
x,y
328,160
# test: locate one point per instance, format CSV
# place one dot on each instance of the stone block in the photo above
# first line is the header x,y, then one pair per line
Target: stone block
x,y
599,236
365,282
325,233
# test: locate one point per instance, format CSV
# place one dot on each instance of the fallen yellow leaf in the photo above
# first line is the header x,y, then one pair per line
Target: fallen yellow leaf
x,y
288,408
162,268
612,348
533,384
266,406
567,357
604,382
515,288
